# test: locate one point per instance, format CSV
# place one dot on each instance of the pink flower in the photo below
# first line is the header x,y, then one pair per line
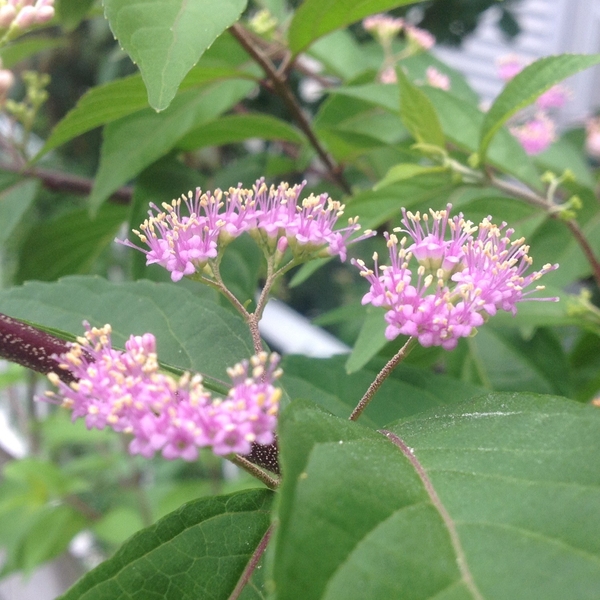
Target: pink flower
x,y
464,274
555,97
420,38
437,79
388,75
383,27
126,391
535,135
592,140
188,233
509,66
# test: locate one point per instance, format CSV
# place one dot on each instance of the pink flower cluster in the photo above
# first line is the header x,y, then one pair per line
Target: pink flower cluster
x,y
126,391
464,274
535,133
24,14
383,26
184,241
436,79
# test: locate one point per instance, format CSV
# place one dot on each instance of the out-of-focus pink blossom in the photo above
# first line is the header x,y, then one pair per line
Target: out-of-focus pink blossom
x,y
592,139
437,79
388,75
420,38
509,66
383,27
555,97
536,134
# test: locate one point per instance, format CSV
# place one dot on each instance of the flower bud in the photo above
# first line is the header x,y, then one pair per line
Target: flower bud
x,y
7,15
26,18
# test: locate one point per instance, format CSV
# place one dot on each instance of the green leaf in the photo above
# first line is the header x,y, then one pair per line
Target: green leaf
x,y
461,121
408,391
192,333
406,171
525,87
69,244
21,49
16,196
117,99
199,551
491,498
504,361
166,38
418,113
371,339
72,12
134,142
237,128
315,18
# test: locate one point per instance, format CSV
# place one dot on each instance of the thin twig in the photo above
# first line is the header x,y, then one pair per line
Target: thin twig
x,y
252,564
255,471
382,376
59,181
551,209
279,84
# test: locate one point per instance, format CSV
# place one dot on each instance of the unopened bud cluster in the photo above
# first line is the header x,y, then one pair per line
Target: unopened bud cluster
x,y
17,16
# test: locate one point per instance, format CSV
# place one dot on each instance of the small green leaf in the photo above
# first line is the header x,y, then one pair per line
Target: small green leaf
x,y
418,113
371,339
166,38
406,171
526,86
237,128
192,333
134,142
198,551
315,18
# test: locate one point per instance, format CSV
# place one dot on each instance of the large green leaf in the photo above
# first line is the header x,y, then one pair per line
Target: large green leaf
x,y
68,244
418,113
16,196
111,101
192,333
526,86
237,128
408,391
315,18
136,141
199,551
166,38
493,498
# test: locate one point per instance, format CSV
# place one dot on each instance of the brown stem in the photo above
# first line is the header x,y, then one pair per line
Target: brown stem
x,y
585,247
279,83
252,564
382,376
31,347
255,471
58,181
551,209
